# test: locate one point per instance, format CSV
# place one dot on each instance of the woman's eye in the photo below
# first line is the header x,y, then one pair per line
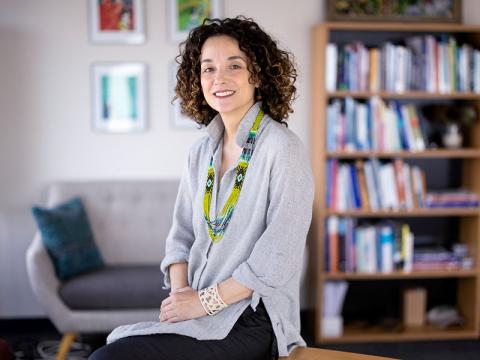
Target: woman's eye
x,y
207,70
236,66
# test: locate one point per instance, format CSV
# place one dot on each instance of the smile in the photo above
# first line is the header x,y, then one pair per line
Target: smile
x,y
224,93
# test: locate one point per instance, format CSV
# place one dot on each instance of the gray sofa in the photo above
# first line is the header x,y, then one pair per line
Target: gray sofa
x,y
130,221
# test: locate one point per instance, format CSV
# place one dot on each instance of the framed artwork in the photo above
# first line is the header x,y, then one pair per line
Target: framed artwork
x,y
426,10
352,10
119,100
440,11
177,119
187,14
116,21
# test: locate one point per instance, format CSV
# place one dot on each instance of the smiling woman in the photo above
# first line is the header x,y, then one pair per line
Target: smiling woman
x,y
225,78
234,253
270,68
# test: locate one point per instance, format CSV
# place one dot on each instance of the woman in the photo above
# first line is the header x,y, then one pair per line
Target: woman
x,y
234,252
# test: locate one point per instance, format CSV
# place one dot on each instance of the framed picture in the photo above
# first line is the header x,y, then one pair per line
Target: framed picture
x,y
116,21
119,101
177,119
354,10
440,11
187,14
426,10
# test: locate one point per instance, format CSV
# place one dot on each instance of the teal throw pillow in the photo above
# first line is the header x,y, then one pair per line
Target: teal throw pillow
x,y
67,236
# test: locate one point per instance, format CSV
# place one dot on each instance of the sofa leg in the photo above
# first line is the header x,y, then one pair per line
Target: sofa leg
x,y
67,340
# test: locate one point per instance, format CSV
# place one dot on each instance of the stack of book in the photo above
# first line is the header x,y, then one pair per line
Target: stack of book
x,y
367,248
373,126
372,185
439,258
451,198
423,62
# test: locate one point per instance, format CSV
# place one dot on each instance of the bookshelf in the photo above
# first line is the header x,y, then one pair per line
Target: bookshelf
x,y
466,282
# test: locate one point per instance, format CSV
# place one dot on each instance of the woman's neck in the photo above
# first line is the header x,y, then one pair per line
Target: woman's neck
x,y
231,122
230,133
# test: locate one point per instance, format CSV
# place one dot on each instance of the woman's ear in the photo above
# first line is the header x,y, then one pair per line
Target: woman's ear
x,y
258,96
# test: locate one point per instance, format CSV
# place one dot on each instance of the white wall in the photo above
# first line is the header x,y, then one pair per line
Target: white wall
x,y
45,132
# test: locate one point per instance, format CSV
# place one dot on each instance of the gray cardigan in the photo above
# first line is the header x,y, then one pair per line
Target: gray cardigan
x,y
263,245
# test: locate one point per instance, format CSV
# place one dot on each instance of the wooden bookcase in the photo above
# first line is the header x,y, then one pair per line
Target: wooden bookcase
x,y
467,282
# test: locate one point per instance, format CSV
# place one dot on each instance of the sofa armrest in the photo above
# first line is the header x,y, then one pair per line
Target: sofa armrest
x,y
45,283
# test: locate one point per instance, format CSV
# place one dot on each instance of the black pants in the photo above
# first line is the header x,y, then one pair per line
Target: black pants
x,y
251,338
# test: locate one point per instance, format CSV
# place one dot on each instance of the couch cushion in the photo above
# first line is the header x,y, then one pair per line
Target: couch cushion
x,y
116,287
67,236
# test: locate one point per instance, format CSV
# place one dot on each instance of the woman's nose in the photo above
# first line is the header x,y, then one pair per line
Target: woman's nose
x,y
219,77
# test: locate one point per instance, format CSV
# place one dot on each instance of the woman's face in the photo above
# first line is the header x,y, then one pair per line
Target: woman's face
x,y
225,77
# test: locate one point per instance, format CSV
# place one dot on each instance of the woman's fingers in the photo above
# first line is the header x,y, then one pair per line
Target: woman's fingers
x,y
167,314
166,302
174,319
167,308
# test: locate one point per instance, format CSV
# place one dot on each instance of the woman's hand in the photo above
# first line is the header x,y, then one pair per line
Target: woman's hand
x,y
182,304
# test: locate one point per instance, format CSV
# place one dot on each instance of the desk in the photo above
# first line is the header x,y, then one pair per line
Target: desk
x,y
302,353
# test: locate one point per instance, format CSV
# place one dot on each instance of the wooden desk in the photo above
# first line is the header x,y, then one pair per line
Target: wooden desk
x,y
302,353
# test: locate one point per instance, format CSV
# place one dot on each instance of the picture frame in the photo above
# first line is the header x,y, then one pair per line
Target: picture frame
x,y
351,10
441,11
117,21
437,11
177,119
184,15
119,97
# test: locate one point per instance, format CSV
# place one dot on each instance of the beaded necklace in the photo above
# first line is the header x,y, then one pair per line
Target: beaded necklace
x,y
217,226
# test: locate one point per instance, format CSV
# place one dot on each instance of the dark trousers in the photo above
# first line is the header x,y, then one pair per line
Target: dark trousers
x,y
251,338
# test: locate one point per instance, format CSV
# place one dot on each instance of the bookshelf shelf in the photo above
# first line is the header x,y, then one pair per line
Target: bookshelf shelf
x,y
411,213
399,27
405,95
465,168
402,275
437,153
354,333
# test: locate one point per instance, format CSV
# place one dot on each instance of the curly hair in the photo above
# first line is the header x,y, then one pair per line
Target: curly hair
x,y
269,66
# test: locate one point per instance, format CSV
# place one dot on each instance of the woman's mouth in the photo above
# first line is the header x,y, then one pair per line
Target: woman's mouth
x,y
224,94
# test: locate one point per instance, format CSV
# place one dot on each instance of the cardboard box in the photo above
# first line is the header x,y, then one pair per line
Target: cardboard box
x,y
414,307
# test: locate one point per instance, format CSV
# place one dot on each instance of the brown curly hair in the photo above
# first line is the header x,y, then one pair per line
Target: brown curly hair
x,y
269,66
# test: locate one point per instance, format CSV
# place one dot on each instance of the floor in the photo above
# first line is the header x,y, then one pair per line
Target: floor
x,y
25,335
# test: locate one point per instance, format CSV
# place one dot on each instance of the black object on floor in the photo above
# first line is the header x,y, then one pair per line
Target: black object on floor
x,y
5,351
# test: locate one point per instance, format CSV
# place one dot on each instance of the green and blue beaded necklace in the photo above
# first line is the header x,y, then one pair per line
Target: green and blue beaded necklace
x,y
217,226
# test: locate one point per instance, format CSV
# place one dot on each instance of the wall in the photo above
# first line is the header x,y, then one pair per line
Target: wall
x,y
45,132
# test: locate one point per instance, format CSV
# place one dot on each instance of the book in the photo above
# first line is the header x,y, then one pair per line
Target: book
x,y
387,249
374,75
362,183
407,248
331,67
332,240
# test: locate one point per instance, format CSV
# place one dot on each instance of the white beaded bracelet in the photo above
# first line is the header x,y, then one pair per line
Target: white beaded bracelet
x,y
211,300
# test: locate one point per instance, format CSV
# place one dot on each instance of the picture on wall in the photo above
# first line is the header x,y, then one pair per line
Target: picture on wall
x,y
187,14
353,10
119,97
177,119
117,21
440,11
426,10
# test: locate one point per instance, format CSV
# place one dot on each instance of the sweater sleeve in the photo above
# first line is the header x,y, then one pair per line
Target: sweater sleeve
x,y
181,236
277,254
